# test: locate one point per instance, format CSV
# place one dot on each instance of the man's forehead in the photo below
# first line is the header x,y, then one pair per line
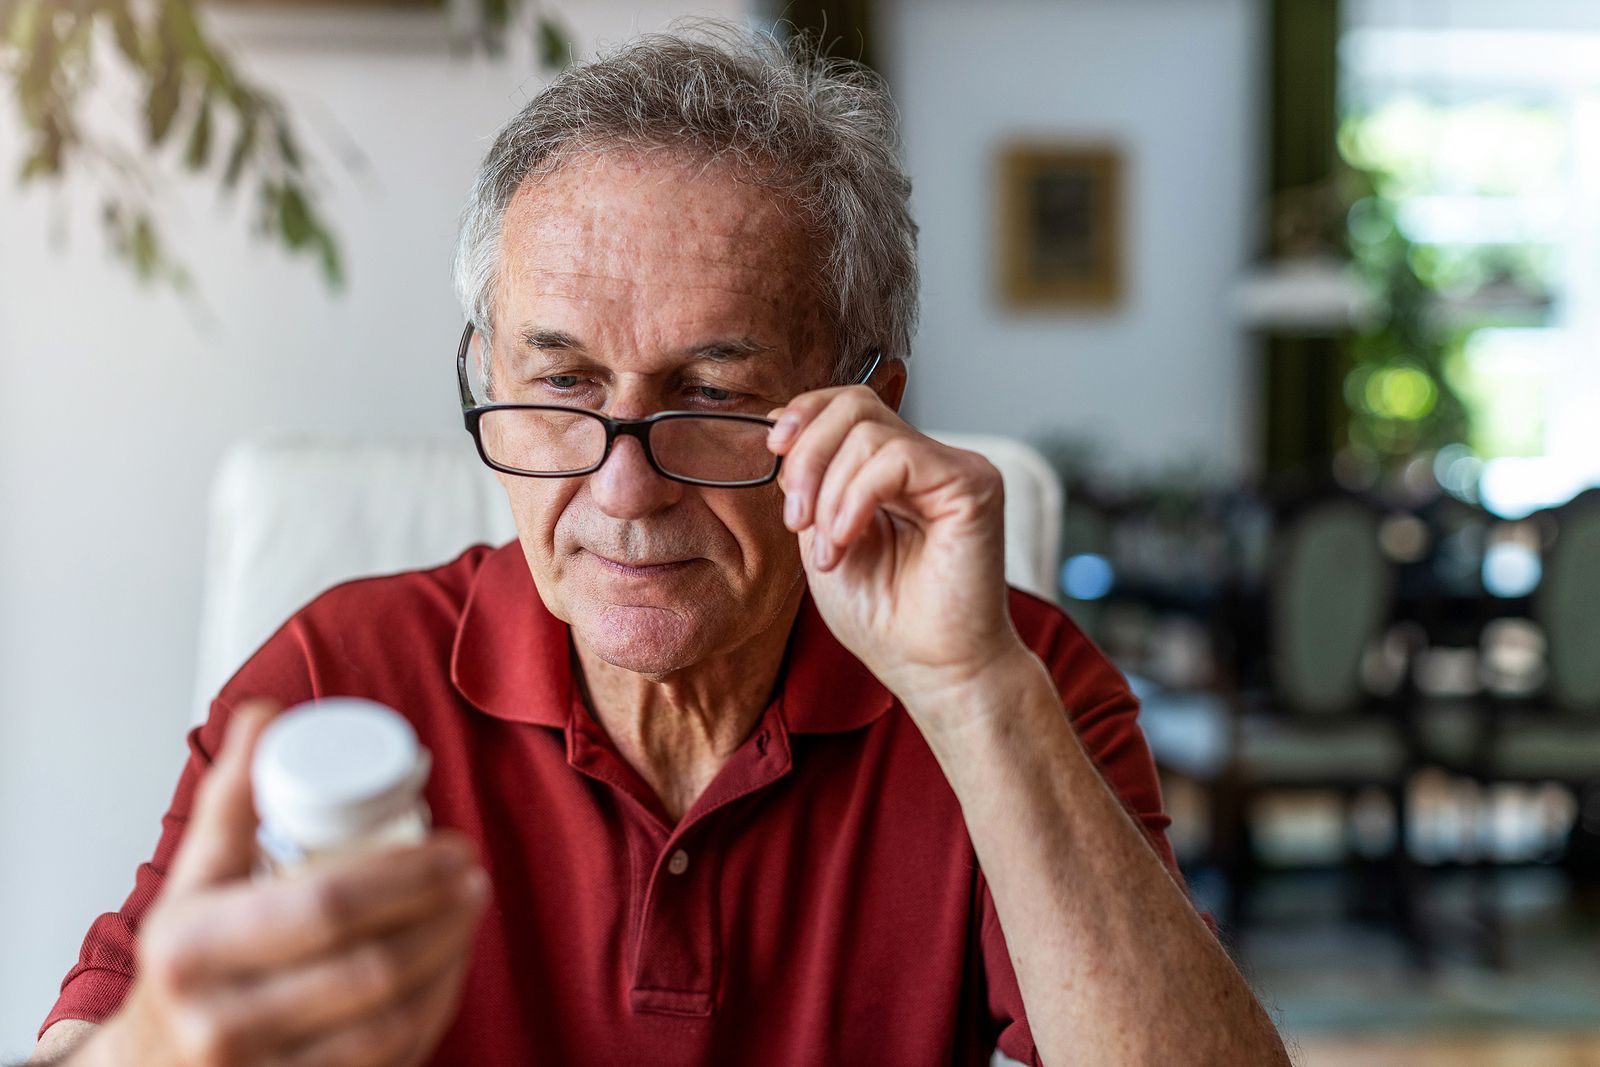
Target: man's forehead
x,y
684,253
723,315
631,201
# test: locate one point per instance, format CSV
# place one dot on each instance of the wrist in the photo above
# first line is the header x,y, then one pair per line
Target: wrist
x,y
979,696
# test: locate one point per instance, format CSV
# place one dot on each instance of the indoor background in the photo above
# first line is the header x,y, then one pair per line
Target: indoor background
x,y
1300,298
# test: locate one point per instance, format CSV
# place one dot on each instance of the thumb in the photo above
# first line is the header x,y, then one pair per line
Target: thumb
x,y
219,842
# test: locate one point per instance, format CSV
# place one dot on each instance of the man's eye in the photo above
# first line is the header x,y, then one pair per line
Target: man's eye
x,y
561,381
711,392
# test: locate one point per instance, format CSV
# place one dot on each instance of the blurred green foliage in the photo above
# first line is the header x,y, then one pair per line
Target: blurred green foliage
x,y
1398,398
194,106
1404,390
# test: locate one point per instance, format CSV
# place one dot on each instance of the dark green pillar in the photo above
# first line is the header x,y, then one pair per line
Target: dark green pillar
x,y
1303,378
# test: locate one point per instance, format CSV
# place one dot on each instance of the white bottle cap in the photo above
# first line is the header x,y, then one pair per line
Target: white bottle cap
x,y
326,772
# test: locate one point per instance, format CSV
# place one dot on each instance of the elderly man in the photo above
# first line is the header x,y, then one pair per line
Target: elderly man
x,y
746,753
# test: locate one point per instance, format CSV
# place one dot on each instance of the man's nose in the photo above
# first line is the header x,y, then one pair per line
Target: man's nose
x,y
627,487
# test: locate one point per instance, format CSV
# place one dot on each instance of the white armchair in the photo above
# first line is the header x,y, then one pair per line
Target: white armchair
x,y
290,518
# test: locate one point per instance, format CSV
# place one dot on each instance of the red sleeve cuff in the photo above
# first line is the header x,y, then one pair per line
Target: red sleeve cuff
x,y
93,995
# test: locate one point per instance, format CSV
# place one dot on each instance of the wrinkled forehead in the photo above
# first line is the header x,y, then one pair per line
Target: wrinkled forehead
x,y
655,250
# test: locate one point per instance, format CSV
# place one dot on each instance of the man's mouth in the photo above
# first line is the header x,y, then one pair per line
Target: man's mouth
x,y
639,568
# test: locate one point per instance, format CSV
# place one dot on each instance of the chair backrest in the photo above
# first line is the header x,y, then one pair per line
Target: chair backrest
x,y
1567,607
1033,509
289,518
1331,592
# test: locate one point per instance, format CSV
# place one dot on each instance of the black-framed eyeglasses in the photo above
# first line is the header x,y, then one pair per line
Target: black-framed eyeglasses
x,y
721,449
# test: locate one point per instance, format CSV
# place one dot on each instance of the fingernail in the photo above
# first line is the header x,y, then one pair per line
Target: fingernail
x,y
785,429
793,509
822,552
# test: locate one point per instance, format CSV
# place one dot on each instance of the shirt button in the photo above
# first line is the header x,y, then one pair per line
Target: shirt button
x,y
679,862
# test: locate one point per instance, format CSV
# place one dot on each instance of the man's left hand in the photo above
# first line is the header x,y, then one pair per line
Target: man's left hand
x,y
902,539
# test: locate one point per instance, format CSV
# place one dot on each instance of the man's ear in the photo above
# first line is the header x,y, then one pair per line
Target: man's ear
x,y
891,383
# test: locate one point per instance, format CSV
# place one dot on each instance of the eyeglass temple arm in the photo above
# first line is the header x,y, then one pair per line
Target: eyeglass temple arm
x,y
461,367
872,365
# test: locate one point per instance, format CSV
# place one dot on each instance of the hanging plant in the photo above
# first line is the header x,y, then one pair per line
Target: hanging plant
x,y
194,105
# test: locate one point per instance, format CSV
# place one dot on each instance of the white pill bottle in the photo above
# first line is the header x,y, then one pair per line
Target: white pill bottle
x,y
335,776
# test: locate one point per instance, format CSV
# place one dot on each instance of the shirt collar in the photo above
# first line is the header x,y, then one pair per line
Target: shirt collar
x,y
512,659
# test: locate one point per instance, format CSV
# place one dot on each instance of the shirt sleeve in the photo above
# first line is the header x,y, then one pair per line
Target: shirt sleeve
x,y
95,987
1104,713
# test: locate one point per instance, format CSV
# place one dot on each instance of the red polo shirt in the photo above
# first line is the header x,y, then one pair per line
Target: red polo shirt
x,y
820,903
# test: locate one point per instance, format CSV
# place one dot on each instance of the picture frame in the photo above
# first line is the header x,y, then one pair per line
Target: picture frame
x,y
1060,225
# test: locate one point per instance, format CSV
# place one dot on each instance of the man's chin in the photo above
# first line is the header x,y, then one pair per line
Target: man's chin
x,y
648,640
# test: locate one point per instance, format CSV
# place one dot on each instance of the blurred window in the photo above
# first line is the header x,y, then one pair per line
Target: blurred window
x,y
1481,125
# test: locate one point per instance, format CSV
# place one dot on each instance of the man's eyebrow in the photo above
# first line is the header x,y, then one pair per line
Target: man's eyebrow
x,y
729,349
720,350
540,337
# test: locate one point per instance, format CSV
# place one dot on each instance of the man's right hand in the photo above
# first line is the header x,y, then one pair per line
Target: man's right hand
x,y
358,960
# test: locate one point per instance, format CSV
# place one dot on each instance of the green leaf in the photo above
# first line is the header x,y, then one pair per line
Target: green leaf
x,y
35,166
555,47
243,146
286,144
294,217
46,157
161,106
198,150
332,263
143,247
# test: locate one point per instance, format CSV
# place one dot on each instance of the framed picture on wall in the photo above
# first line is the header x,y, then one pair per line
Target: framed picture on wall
x,y
1060,225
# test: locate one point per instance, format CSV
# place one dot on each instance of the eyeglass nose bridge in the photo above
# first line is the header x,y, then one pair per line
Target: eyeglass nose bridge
x,y
639,430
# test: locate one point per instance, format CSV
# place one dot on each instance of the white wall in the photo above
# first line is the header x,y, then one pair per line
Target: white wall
x,y
1168,377
116,402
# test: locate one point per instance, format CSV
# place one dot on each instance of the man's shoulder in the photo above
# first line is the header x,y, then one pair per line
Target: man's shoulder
x,y
1043,626
1072,656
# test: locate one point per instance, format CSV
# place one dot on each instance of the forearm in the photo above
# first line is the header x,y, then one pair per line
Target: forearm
x,y
1113,963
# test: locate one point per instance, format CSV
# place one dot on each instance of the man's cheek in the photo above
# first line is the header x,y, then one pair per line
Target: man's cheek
x,y
542,517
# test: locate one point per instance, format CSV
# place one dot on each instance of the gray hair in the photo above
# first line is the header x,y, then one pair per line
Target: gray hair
x,y
820,131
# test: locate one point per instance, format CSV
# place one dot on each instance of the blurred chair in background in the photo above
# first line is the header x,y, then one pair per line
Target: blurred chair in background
x,y
1536,719
1316,726
290,518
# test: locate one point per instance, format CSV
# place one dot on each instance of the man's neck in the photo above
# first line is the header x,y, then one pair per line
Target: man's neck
x,y
678,731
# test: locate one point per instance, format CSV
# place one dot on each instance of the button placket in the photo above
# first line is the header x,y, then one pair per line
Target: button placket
x,y
675,971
